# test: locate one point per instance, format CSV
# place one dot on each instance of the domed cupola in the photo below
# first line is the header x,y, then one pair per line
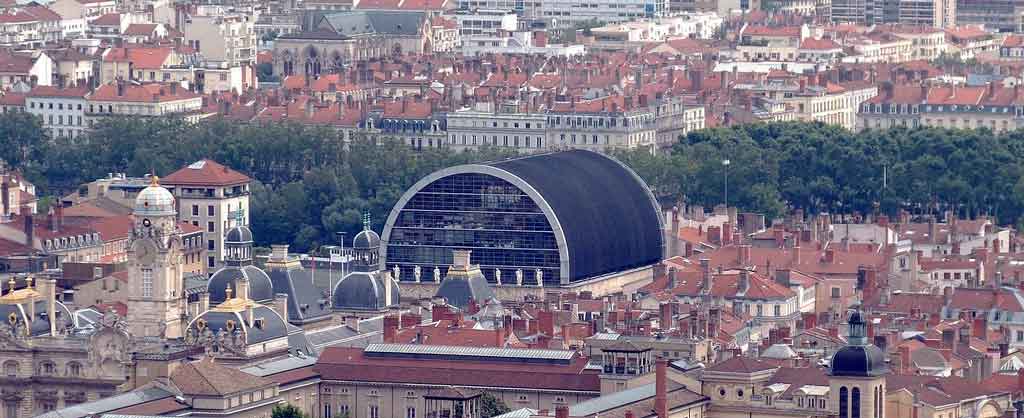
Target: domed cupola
x,y
154,200
365,288
858,358
366,248
238,265
238,246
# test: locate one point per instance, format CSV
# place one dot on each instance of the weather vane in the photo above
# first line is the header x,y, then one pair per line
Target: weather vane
x,y
366,221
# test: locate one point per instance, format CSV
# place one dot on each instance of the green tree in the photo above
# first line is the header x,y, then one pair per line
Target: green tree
x,y
491,406
287,411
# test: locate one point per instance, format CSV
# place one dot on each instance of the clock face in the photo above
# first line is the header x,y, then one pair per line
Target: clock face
x,y
146,222
145,252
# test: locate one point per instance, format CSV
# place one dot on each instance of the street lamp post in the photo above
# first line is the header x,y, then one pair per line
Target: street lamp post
x,y
726,163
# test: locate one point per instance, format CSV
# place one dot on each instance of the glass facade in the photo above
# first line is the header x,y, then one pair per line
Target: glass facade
x,y
497,221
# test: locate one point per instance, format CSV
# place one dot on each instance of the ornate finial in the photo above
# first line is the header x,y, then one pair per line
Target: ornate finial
x,y
154,180
227,292
28,282
239,217
11,283
366,221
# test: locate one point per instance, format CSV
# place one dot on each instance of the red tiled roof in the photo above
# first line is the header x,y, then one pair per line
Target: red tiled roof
x,y
819,44
208,378
12,99
8,247
758,30
407,109
727,285
208,173
114,227
955,95
148,93
440,333
350,364
109,19
140,29
140,57
51,91
15,63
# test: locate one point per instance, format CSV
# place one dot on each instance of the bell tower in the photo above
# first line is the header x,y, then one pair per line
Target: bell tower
x,y
857,375
156,301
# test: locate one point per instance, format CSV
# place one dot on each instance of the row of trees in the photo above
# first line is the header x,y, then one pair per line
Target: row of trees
x,y
308,185
821,168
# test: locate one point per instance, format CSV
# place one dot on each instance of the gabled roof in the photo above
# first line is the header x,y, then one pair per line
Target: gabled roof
x,y
208,378
205,172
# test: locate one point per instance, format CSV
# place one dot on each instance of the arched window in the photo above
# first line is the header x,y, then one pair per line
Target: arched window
x,y
855,403
879,401
844,401
74,369
11,368
47,368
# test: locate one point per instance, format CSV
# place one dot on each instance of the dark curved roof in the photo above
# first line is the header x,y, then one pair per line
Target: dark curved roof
x,y
366,239
459,291
859,360
238,234
260,286
305,302
273,326
64,317
361,290
607,214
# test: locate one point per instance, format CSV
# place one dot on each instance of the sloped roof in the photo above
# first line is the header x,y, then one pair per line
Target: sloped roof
x,y
208,378
205,172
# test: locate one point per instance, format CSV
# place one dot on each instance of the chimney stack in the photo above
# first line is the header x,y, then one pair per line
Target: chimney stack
x,y
661,387
390,328
29,238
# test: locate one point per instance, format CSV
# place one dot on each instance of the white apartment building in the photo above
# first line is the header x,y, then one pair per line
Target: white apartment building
x,y
486,22
568,13
674,117
517,43
61,110
224,37
641,32
601,127
508,127
213,197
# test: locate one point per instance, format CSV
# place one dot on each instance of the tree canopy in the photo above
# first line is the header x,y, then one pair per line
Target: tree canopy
x,y
309,185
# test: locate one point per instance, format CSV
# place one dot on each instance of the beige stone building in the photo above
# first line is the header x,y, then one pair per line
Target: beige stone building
x,y
45,366
992,107
214,198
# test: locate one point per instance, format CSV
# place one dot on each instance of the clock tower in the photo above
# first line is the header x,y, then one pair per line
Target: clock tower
x,y
156,300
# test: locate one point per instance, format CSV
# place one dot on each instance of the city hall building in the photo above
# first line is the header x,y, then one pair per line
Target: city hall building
x,y
564,218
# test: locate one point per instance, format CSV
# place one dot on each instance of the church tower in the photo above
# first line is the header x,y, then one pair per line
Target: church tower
x,y
857,375
156,300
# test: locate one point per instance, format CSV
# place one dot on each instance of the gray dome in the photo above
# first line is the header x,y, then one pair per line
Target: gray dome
x,y
154,200
366,239
240,235
859,360
260,286
361,290
273,326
